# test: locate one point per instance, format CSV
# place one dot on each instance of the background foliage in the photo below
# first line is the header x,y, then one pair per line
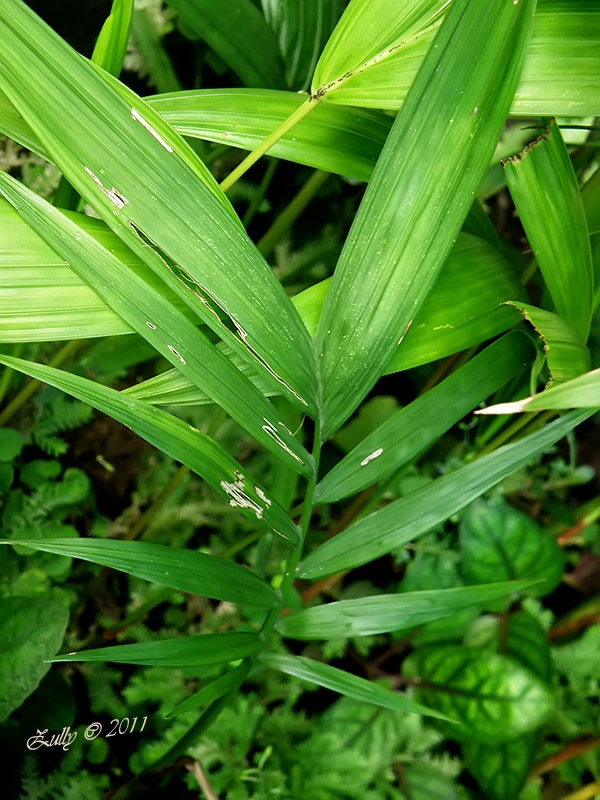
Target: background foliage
x,y
409,241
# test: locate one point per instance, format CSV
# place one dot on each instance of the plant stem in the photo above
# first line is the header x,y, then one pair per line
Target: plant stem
x,y
8,371
292,211
302,110
203,781
32,386
506,434
585,793
259,194
144,519
272,616
590,516
575,748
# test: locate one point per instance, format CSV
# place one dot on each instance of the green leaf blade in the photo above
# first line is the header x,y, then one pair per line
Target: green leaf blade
x,y
176,438
213,691
580,392
174,217
405,519
420,423
155,319
446,133
184,570
344,683
239,33
385,613
191,651
543,185
566,354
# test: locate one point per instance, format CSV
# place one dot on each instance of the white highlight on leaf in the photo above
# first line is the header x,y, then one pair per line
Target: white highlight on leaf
x,y
175,353
406,330
238,497
271,430
372,457
506,408
200,293
262,495
138,117
151,326
114,195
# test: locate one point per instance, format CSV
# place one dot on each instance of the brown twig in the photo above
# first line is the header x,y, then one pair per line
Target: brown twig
x,y
203,781
572,750
573,626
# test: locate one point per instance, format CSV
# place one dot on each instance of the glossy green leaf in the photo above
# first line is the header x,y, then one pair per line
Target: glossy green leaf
x,y
580,392
377,48
302,28
42,299
414,427
331,138
388,612
189,651
447,321
31,630
544,188
176,438
405,519
212,691
497,542
185,570
494,698
465,306
173,388
527,642
155,193
345,683
239,33
154,318
111,45
149,43
426,176
501,769
566,353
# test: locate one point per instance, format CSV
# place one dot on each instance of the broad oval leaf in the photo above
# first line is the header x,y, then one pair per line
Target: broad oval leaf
x,y
415,426
543,185
409,517
189,651
345,683
31,630
176,438
501,769
390,612
418,197
494,698
497,542
155,193
185,570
